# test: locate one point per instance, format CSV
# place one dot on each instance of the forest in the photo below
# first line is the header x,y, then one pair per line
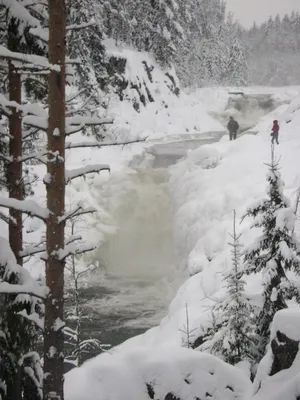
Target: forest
x,y
57,78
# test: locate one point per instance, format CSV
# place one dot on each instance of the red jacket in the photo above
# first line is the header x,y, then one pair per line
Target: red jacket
x,y
275,128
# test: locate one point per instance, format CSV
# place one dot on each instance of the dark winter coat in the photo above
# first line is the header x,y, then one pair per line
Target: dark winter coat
x,y
275,129
233,126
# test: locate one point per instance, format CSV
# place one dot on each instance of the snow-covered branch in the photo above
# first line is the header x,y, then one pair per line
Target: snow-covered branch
x,y
33,317
40,123
29,207
26,109
28,289
74,27
76,212
77,123
73,250
78,172
79,145
32,61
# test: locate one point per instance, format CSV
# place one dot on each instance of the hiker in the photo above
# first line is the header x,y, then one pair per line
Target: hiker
x,y
232,127
275,131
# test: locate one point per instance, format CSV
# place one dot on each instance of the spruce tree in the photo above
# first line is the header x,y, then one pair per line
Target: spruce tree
x,y
235,339
274,252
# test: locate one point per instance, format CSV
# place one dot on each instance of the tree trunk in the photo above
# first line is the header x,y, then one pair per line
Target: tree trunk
x,y
14,168
54,304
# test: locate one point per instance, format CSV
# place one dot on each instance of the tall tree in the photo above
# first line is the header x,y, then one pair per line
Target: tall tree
x,y
274,252
14,168
54,303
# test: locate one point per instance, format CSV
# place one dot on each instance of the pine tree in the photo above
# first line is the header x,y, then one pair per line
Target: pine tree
x,y
274,252
237,71
234,339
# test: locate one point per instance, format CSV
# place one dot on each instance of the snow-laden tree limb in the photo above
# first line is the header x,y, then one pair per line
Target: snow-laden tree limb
x,y
79,145
78,172
33,317
76,212
26,109
77,123
32,61
30,251
73,250
29,207
84,25
18,11
39,123
28,289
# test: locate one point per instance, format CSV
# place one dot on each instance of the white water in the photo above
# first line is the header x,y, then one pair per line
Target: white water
x,y
139,260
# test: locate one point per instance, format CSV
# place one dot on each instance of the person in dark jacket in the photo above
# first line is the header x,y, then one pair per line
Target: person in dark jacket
x,y
232,127
275,132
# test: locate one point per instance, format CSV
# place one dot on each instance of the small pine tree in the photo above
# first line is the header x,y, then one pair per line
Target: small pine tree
x,y
274,252
234,339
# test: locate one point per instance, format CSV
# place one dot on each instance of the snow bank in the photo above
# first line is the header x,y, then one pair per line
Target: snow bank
x,y
288,323
286,383
144,374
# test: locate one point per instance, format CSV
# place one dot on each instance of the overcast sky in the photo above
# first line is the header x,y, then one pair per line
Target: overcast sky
x,y
248,11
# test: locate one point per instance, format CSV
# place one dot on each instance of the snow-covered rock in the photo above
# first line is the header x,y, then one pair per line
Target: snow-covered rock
x,y
278,373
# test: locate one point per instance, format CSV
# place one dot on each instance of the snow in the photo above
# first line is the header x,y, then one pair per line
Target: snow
x,y
168,114
204,195
205,188
29,207
185,373
288,323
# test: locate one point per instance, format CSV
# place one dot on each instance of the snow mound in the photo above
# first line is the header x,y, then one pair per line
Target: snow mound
x,y
288,323
286,383
156,373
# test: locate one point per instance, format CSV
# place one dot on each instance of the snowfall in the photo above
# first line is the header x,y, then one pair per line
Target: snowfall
x,y
204,187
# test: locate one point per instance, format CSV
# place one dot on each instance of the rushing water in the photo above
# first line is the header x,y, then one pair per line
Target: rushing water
x,y
139,277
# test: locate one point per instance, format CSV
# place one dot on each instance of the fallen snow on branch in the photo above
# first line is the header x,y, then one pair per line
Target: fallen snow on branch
x,y
29,207
31,61
76,173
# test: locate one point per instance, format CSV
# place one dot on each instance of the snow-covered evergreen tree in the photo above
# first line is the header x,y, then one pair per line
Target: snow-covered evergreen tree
x,y
234,339
237,71
274,252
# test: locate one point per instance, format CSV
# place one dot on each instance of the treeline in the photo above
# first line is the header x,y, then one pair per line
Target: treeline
x,y
193,35
273,51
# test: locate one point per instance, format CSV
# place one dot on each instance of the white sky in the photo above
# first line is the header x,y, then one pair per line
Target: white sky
x,y
248,11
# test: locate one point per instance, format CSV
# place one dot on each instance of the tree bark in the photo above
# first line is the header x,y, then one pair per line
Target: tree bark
x,y
54,304
14,168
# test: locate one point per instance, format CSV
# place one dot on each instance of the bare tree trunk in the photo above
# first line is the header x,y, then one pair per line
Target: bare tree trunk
x,y
54,304
14,168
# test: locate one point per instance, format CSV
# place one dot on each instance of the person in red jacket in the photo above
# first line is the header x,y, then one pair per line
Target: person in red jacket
x,y
275,131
